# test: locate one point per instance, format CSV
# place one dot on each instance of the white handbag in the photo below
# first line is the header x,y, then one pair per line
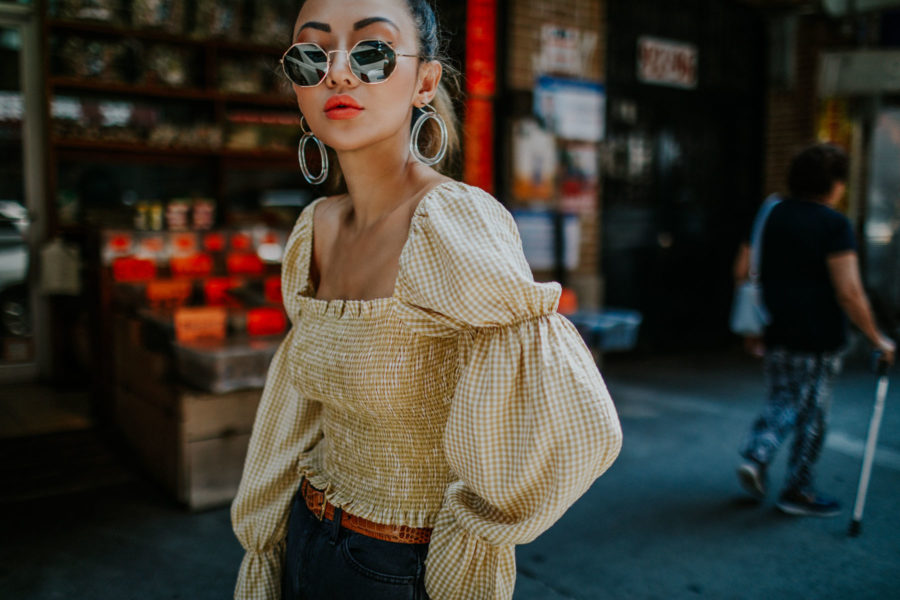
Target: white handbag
x,y
749,315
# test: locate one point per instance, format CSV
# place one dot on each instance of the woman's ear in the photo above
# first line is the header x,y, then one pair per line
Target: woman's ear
x,y
429,79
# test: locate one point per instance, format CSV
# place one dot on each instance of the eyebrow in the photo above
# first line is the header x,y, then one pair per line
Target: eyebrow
x,y
371,20
362,24
315,25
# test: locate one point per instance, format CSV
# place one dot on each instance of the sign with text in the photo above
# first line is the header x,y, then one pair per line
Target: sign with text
x,y
666,62
200,323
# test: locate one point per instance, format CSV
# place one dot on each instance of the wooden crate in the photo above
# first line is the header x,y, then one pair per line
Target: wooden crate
x,y
192,442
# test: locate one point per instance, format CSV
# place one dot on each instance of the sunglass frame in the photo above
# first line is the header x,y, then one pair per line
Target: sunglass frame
x,y
328,62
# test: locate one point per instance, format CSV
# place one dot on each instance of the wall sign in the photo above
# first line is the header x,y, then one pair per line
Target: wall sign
x,y
565,51
666,62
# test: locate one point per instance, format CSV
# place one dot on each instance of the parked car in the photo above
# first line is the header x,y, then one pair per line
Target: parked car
x,y
15,312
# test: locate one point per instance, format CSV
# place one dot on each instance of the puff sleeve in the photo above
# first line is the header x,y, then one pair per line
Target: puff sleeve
x,y
531,424
286,426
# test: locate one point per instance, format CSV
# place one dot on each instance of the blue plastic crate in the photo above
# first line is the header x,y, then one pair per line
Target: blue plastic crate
x,y
608,330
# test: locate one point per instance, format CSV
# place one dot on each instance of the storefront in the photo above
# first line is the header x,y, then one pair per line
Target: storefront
x,y
149,182
624,137
860,110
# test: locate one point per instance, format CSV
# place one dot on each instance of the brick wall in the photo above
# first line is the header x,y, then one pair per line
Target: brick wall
x,y
792,113
524,25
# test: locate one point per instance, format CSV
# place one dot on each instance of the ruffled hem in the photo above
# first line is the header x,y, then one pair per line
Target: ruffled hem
x,y
259,577
374,309
463,565
364,508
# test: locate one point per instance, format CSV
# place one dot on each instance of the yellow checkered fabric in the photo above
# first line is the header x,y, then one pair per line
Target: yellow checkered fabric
x,y
463,402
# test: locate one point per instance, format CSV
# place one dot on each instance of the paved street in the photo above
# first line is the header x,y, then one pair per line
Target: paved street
x,y
667,521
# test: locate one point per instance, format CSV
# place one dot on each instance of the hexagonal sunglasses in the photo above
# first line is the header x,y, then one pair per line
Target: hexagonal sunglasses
x,y
371,61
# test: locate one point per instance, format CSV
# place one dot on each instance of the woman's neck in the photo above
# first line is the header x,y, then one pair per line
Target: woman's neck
x,y
380,179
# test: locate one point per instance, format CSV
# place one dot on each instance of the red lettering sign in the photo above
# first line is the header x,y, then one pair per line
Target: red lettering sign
x,y
664,62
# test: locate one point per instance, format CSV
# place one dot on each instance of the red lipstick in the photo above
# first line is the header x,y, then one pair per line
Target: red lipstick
x,y
342,107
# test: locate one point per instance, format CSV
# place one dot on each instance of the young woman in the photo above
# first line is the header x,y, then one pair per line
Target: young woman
x,y
429,408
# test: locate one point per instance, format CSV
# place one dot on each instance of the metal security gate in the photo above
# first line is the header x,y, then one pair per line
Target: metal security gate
x,y
683,162
22,350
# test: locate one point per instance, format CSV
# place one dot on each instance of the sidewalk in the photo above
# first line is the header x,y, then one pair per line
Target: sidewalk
x,y
667,521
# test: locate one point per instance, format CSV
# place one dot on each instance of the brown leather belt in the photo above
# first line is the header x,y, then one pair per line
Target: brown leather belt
x,y
402,534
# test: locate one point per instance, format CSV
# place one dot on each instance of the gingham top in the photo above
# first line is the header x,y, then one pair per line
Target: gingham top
x,y
463,402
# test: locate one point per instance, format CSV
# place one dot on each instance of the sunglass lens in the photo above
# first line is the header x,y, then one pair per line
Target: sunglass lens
x,y
305,64
372,61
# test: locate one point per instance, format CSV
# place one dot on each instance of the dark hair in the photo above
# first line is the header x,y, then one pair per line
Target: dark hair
x,y
815,170
430,48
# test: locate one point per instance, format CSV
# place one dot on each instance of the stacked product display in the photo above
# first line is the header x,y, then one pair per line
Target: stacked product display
x,y
212,299
196,317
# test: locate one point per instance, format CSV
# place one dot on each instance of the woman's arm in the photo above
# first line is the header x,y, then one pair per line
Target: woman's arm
x,y
844,270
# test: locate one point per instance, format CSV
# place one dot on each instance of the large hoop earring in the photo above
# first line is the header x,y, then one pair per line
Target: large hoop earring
x,y
308,137
428,112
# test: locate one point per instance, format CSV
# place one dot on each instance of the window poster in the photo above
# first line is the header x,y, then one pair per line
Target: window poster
x,y
579,178
534,161
538,233
573,109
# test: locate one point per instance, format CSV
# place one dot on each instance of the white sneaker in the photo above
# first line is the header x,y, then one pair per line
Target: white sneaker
x,y
752,476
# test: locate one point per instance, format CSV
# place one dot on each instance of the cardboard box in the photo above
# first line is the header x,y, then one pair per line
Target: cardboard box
x,y
193,442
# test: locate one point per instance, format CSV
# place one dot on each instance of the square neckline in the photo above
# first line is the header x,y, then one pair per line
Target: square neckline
x,y
341,306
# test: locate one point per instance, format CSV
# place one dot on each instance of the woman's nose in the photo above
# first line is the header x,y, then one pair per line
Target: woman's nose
x,y
339,73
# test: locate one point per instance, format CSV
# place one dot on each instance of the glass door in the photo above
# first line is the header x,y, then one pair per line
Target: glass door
x,y
21,114
882,226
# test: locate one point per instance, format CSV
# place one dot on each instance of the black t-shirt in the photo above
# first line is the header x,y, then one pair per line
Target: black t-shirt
x,y
797,288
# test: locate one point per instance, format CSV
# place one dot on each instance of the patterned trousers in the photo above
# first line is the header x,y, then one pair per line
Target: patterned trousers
x,y
799,394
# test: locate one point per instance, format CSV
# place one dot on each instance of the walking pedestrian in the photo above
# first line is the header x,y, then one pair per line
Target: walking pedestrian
x,y
429,408
811,285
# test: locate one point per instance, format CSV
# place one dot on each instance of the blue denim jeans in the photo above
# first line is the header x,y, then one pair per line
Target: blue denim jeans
x,y
324,561
799,393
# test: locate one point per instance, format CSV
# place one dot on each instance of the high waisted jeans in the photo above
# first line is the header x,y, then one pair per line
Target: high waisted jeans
x,y
324,561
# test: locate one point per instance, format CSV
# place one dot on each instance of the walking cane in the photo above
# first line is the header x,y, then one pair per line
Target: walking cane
x,y
869,455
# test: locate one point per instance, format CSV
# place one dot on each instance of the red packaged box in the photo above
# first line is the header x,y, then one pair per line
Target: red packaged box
x,y
241,242
214,242
168,292
266,321
129,268
215,291
198,265
244,263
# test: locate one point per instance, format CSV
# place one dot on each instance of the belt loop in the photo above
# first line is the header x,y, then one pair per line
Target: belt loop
x,y
336,525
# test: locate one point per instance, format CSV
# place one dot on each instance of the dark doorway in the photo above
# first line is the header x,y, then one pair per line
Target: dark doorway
x,y
683,167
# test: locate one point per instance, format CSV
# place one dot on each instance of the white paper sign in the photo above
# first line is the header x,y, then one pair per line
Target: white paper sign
x,y
665,62
571,108
538,239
